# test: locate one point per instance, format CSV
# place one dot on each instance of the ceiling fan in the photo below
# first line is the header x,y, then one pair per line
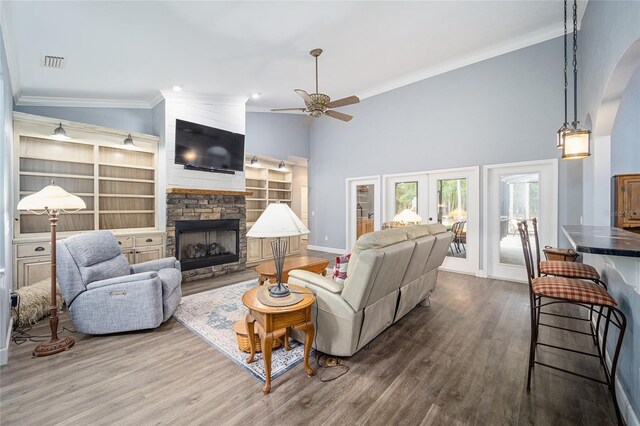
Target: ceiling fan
x,y
319,104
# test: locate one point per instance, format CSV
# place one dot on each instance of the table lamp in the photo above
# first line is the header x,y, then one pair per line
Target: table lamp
x,y
52,200
406,217
278,221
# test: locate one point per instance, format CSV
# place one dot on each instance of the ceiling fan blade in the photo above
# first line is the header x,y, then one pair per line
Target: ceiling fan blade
x,y
339,115
304,95
289,109
308,119
343,102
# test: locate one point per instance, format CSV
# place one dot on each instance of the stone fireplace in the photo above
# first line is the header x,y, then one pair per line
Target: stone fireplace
x,y
206,231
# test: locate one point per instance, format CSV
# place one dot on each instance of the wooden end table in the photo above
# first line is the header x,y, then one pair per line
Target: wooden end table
x,y
274,318
267,270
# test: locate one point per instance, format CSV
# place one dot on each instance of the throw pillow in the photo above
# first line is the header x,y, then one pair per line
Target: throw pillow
x,y
340,270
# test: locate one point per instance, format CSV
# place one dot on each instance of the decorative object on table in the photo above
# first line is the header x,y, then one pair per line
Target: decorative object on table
x,y
34,303
407,217
278,221
565,126
264,296
240,328
105,294
52,200
576,142
211,315
268,272
318,104
274,319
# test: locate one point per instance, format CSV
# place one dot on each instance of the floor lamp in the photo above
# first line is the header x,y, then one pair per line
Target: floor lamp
x,y
52,200
278,221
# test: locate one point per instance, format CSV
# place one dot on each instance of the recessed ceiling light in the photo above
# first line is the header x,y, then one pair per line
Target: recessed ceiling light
x,y
255,95
177,88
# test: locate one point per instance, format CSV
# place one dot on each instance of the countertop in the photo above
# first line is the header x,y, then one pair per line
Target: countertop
x,y
603,240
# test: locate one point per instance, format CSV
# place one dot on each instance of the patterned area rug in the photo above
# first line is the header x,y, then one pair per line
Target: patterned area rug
x,y
211,315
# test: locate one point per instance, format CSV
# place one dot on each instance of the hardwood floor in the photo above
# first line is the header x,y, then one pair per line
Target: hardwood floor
x,y
460,361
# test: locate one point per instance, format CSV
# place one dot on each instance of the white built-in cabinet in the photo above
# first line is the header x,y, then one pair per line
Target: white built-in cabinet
x,y
268,184
116,182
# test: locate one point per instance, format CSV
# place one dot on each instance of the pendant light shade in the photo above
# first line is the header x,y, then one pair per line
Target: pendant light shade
x,y
560,135
577,144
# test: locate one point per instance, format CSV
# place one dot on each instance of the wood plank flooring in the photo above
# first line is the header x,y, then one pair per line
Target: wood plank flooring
x,y
460,361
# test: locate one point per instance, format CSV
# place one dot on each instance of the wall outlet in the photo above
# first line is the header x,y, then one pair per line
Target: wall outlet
x,y
326,238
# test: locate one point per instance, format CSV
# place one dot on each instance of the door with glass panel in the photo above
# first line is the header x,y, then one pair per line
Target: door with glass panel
x,y
453,202
516,193
364,204
447,197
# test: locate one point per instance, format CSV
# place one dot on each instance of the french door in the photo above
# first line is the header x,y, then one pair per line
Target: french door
x,y
363,204
449,197
516,192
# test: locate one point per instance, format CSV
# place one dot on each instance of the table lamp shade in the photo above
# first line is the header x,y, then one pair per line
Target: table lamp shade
x,y
407,216
278,220
51,197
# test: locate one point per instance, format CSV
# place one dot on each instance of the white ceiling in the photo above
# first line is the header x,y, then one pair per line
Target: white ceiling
x,y
128,51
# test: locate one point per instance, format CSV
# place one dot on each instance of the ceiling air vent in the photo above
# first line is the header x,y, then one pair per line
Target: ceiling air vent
x,y
53,61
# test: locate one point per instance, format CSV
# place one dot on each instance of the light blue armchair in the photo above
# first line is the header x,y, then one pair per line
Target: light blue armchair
x,y
105,294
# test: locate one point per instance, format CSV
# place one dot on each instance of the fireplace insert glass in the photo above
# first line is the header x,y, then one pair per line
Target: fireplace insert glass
x,y
202,243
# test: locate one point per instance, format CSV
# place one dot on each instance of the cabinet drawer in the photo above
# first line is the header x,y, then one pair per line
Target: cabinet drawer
x,y
125,242
35,249
149,240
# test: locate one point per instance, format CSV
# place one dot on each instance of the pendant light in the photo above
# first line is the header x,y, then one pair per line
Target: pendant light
x,y
565,126
576,143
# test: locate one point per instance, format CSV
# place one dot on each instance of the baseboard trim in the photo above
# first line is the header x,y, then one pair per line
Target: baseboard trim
x,y
327,249
626,410
4,352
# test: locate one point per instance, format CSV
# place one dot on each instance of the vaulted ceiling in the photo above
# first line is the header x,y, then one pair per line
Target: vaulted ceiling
x,y
127,51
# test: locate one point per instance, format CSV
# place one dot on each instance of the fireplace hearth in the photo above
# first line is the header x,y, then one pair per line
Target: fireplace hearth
x,y
206,231
203,243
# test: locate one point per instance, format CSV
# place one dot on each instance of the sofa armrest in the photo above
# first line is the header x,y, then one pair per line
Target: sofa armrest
x,y
155,265
316,280
126,279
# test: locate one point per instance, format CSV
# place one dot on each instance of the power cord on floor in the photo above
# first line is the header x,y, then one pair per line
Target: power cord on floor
x,y
330,362
20,334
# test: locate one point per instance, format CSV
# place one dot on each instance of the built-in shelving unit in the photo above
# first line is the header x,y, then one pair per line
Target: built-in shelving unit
x,y
116,182
269,184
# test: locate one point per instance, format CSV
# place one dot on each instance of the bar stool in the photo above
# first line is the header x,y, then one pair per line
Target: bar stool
x,y
560,268
583,294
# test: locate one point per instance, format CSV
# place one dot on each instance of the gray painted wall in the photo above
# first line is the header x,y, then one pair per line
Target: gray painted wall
x,y
625,137
608,29
6,130
126,119
277,135
505,109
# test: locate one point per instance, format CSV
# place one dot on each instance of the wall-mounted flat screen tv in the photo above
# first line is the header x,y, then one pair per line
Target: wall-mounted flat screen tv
x,y
207,148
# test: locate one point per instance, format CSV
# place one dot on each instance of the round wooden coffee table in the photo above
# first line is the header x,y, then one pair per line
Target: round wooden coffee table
x,y
274,318
267,270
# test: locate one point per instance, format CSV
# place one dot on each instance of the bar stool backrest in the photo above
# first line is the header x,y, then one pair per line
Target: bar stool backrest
x,y
526,250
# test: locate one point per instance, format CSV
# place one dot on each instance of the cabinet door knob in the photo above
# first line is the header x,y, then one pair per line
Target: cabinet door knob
x,y
119,243
149,240
39,248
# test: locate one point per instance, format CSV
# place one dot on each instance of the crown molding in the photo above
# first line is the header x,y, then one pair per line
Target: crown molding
x,y
482,55
55,101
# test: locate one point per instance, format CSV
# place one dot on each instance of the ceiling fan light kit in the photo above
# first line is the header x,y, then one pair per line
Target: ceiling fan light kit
x,y
318,104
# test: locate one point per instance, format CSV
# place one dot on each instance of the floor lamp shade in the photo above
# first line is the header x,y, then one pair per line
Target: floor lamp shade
x,y
51,197
407,216
52,200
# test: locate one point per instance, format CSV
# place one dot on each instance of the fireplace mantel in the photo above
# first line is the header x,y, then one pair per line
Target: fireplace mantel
x,y
207,192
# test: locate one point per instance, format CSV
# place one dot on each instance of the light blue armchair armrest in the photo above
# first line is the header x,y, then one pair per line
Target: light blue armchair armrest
x,y
155,265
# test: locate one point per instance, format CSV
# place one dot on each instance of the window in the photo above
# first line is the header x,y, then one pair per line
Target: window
x,y
406,196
